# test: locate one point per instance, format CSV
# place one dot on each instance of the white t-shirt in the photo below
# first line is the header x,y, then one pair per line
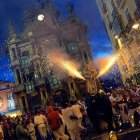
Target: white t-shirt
x,y
40,119
31,127
76,110
66,113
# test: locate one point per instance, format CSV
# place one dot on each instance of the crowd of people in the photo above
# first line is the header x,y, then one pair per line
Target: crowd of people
x,y
47,124
66,121
126,104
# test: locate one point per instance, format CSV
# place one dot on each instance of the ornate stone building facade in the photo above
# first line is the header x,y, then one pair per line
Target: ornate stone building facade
x,y
34,86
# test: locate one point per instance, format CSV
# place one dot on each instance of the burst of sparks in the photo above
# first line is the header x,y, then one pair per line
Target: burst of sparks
x,y
72,70
108,66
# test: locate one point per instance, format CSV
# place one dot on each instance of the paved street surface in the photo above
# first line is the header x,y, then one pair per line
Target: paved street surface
x,y
129,134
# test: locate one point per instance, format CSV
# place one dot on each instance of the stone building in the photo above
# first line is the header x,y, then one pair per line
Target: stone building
x,y
27,50
122,20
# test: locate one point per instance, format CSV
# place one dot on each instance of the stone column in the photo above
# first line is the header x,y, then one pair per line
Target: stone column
x,y
21,105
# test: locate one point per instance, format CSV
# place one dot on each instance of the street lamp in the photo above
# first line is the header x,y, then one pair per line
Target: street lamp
x,y
116,37
135,26
119,41
40,17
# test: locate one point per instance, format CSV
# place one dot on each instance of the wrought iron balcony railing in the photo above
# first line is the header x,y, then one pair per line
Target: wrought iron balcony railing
x,y
18,88
117,25
39,82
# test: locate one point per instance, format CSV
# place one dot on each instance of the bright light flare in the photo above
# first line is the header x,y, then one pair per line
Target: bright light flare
x,y
108,66
72,70
136,26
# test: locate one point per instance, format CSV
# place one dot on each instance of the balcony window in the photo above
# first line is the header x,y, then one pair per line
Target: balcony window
x,y
25,54
137,3
25,59
30,76
117,25
18,76
14,56
72,47
85,56
109,6
104,8
108,19
29,87
128,15
137,12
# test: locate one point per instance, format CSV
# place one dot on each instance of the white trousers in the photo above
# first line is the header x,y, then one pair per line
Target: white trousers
x,y
42,130
59,134
74,134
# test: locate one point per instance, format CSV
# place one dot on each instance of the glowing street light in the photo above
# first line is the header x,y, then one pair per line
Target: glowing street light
x,y
116,37
136,26
40,17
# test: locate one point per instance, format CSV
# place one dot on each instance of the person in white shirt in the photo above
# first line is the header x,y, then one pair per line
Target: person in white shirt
x,y
123,107
1,133
138,92
71,122
41,122
112,100
76,108
31,129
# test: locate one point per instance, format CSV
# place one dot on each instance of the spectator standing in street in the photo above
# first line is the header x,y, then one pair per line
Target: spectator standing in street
x,y
71,122
21,132
56,124
41,122
31,129
77,109
99,110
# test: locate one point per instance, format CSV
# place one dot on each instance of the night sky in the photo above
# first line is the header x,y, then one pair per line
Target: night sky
x,y
87,11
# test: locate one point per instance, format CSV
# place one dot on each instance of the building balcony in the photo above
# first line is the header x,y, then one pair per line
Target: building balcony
x,y
39,82
137,13
18,88
104,9
114,12
29,87
117,25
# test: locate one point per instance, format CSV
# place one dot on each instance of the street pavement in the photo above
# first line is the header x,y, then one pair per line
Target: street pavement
x,y
124,132
128,134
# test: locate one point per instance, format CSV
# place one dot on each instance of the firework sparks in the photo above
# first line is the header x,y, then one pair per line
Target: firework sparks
x,y
108,66
61,64
72,70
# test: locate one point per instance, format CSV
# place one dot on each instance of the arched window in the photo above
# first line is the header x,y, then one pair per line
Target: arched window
x,y
18,76
14,56
85,56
